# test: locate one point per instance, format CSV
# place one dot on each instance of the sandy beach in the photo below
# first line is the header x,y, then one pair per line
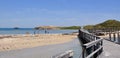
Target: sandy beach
x,y
107,36
28,41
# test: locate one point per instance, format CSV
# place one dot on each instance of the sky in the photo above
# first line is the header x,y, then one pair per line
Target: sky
x,y
32,13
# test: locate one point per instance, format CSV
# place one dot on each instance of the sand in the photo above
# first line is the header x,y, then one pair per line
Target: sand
x,y
28,41
107,36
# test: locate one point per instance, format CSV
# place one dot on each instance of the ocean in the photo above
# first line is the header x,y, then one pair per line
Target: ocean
x,y
32,31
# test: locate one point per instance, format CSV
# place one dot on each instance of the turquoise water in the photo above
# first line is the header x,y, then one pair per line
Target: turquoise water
x,y
31,31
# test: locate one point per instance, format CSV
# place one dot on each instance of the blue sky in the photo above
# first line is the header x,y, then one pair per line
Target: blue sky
x,y
32,13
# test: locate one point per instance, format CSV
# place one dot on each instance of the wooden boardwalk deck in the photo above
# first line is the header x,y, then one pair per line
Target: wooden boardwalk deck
x,y
110,50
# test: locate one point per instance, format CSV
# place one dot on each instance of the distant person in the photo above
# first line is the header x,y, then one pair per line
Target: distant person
x,y
45,31
34,33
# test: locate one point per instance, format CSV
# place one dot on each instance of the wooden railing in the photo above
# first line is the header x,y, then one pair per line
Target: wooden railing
x,y
91,44
66,54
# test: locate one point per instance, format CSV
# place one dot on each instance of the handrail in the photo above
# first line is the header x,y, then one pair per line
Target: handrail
x,y
93,47
94,52
87,45
68,54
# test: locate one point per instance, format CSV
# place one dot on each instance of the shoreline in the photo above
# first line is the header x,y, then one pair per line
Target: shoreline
x,y
28,41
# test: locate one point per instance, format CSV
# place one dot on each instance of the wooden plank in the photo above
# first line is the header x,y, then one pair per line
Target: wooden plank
x,y
87,45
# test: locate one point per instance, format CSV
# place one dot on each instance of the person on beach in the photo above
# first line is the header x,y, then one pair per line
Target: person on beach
x,y
45,31
34,33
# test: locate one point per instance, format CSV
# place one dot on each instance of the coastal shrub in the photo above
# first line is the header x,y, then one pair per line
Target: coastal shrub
x,y
109,24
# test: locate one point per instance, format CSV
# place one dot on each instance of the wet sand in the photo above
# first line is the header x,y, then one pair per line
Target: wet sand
x,y
29,41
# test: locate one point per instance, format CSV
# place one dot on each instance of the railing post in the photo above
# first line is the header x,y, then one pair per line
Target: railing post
x,y
114,37
110,36
118,38
102,45
84,52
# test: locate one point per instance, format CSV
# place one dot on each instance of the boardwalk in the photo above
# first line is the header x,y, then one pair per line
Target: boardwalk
x,y
110,50
90,42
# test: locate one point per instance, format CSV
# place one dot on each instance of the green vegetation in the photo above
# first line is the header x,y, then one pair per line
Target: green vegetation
x,y
70,27
107,24
57,27
110,23
88,27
